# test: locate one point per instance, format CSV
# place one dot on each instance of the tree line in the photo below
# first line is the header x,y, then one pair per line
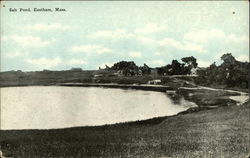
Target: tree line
x,y
231,73
175,68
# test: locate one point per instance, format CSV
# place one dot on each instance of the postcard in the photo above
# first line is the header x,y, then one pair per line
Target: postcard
x,y
149,79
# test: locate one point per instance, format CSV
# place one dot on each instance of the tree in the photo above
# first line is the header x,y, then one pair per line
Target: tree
x,y
190,61
231,73
228,58
128,67
176,67
145,69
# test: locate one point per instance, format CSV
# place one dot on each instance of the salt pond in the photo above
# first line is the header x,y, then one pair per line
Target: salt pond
x,y
46,107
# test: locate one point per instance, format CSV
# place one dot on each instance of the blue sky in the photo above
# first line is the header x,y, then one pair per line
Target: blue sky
x,y
92,34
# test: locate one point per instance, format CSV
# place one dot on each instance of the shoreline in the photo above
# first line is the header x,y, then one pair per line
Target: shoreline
x,y
200,95
158,88
153,87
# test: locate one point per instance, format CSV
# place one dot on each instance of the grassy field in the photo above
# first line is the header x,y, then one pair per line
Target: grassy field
x,y
221,132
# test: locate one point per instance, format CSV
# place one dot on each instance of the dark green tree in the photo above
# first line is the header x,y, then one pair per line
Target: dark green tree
x,y
176,68
190,61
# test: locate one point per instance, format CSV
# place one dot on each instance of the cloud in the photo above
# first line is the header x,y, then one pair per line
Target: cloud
x,y
75,62
170,42
187,46
138,34
156,62
135,54
193,47
158,53
112,34
243,58
44,63
238,39
202,63
29,41
47,27
150,29
203,36
90,49
13,54
146,40
124,34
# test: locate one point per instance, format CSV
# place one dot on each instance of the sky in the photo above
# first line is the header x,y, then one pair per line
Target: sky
x,y
92,34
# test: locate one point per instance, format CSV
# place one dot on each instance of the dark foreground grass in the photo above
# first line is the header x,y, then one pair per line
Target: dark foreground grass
x,y
221,132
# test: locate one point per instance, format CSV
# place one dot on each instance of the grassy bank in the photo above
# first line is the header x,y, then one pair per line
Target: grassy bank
x,y
221,132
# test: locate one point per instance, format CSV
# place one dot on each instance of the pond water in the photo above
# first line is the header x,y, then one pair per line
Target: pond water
x,y
45,107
